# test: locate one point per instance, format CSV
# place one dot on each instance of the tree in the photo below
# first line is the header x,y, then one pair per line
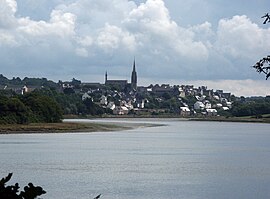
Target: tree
x,y
11,192
263,66
13,111
44,108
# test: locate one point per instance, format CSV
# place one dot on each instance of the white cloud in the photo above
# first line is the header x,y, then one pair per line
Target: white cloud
x,y
113,37
8,9
111,32
61,24
152,25
240,38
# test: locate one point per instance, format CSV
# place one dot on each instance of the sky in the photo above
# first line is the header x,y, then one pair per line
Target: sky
x,y
201,42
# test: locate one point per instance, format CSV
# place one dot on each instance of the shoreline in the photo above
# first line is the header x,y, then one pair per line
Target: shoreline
x,y
213,119
91,125
64,127
70,127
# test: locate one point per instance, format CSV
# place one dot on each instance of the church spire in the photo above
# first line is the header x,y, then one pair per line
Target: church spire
x,y
134,76
106,77
134,66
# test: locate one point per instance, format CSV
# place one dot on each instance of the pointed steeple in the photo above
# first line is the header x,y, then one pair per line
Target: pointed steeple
x,y
134,65
134,77
106,77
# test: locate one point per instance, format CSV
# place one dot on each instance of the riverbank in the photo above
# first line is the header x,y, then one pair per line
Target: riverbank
x,y
232,119
86,125
64,127
174,116
73,126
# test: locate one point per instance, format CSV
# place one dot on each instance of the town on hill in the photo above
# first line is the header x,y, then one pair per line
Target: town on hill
x,y
119,97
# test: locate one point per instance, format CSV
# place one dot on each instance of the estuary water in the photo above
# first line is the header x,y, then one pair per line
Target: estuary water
x,y
184,159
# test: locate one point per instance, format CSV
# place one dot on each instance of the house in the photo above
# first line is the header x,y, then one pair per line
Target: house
x,y
219,105
225,108
199,105
25,90
103,100
120,110
85,96
208,105
111,105
229,104
211,112
142,103
184,111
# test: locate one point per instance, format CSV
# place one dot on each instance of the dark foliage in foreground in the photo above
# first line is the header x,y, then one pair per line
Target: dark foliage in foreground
x,y
29,192
263,65
12,192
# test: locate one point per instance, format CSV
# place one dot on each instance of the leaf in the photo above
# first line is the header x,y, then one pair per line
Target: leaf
x,y
6,179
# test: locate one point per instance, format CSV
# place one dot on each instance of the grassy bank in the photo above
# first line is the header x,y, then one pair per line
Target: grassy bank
x,y
59,127
232,119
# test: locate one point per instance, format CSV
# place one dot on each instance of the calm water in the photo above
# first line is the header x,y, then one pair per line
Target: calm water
x,y
182,160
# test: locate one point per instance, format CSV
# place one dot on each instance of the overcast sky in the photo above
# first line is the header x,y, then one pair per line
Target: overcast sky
x,y
201,42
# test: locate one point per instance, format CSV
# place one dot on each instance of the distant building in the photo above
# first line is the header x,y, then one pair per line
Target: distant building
x,y
199,105
85,96
123,84
184,111
211,112
120,110
103,100
134,77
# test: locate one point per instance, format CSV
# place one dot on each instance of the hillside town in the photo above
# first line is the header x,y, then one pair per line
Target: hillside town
x,y
120,97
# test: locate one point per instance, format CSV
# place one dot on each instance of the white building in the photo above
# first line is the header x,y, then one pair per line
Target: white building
x,y
184,111
199,105
103,100
208,105
111,105
86,96
211,112
120,110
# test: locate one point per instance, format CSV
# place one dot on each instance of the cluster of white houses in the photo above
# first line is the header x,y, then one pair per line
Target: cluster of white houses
x,y
208,101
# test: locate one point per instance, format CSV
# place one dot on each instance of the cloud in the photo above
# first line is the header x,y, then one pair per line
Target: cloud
x,y
113,37
87,36
240,38
152,25
8,10
60,24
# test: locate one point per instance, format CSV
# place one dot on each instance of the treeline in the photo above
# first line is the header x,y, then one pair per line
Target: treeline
x,y
251,107
30,108
44,105
27,81
72,103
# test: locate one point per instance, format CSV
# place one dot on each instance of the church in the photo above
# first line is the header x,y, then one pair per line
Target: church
x,y
123,84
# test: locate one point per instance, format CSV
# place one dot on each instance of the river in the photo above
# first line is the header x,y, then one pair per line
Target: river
x,y
183,159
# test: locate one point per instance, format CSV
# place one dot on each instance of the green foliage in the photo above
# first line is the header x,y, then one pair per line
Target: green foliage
x,y
189,100
12,192
33,107
92,108
251,107
13,111
44,108
69,91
